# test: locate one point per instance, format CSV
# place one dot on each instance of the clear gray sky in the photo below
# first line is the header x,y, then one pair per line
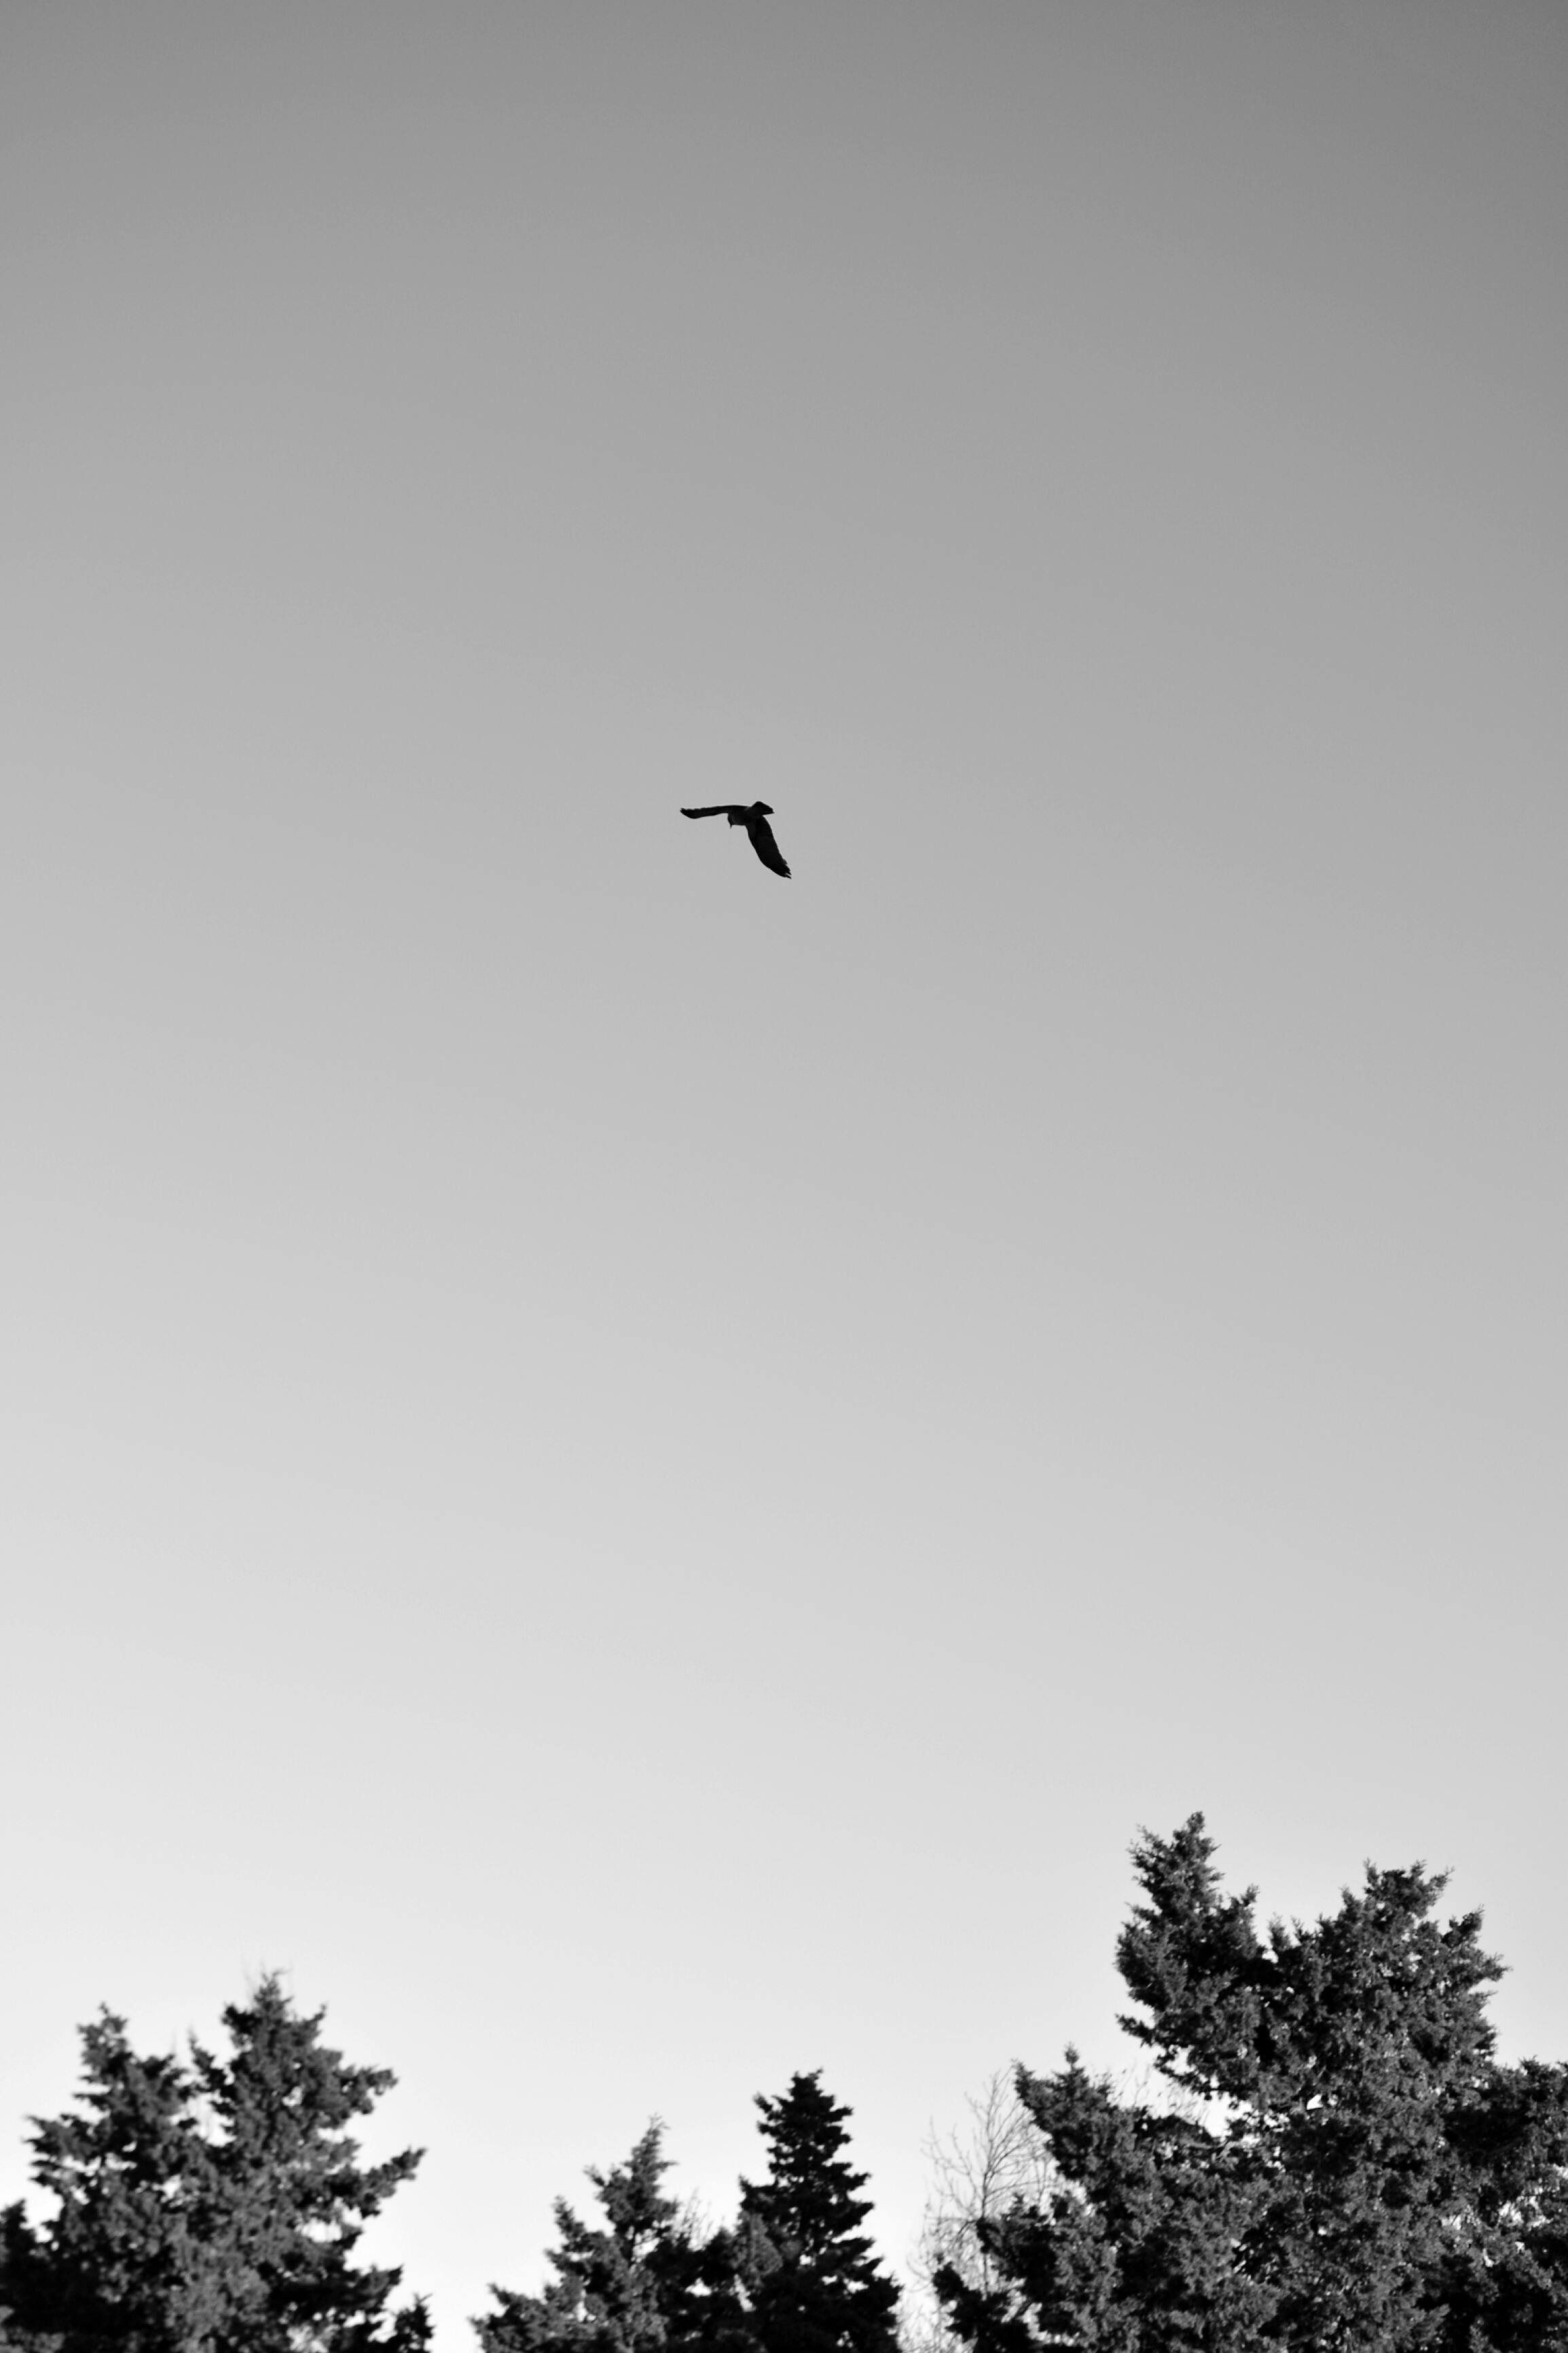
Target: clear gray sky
x,y
637,1474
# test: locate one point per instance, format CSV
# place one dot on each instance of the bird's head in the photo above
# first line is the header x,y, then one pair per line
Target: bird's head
x,y
761,809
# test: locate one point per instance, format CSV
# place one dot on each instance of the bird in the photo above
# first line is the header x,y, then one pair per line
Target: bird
x,y
759,833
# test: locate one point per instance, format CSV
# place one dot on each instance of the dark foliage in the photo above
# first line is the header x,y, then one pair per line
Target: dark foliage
x,y
795,2276
648,2282
208,2207
812,2280
1356,2170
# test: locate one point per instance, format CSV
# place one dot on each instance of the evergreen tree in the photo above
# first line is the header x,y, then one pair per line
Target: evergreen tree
x,y
1359,2173
212,2206
813,2283
122,2262
647,2283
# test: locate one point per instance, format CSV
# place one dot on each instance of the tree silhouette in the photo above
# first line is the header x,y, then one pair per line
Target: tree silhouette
x,y
813,2283
645,2283
1361,2172
979,2173
213,2206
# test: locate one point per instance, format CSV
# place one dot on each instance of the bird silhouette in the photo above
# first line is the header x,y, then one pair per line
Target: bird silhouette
x,y
759,833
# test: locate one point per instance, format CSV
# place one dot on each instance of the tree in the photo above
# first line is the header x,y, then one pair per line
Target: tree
x,y
1353,2169
649,2282
211,2206
979,2173
120,2263
813,2283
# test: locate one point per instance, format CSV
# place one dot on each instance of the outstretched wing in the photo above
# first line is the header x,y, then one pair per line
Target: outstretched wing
x,y
720,808
765,844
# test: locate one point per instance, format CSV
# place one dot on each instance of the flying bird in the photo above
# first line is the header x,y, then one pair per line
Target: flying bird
x,y
759,833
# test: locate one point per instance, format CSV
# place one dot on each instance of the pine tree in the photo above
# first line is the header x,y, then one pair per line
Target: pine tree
x,y
122,2262
814,2284
291,2191
214,2206
1355,2169
648,2283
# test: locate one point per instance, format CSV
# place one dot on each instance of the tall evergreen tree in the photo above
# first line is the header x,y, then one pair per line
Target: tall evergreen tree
x,y
122,2262
814,2284
644,2283
210,2207
1362,2172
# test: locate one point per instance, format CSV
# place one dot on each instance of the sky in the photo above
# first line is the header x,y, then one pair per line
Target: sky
x,y
637,1475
